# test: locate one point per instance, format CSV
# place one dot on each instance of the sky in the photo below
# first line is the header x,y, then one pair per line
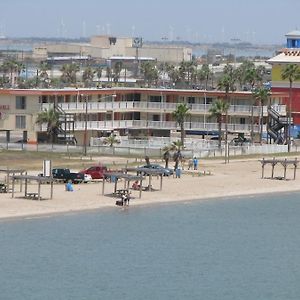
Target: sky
x,y
255,21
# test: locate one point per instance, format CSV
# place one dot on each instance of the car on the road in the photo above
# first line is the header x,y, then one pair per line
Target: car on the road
x,y
96,172
166,171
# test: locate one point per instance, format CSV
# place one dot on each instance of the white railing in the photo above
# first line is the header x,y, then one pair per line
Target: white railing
x,y
142,124
80,107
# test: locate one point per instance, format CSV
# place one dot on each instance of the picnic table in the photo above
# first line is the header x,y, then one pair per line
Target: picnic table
x,y
121,192
3,188
33,196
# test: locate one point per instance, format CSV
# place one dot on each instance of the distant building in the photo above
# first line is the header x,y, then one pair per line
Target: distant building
x,y
104,47
288,55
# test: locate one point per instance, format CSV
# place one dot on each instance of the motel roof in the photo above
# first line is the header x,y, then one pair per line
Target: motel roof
x,y
123,91
287,56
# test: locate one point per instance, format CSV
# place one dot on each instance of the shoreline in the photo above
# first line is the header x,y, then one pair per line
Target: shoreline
x,y
236,179
71,212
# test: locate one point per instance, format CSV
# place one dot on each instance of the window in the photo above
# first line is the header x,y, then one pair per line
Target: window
x,y
155,99
155,118
191,100
20,102
20,122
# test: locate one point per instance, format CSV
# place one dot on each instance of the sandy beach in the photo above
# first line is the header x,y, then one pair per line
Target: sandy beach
x,y
239,177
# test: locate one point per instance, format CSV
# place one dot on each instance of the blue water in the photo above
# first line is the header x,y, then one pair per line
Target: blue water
x,y
247,248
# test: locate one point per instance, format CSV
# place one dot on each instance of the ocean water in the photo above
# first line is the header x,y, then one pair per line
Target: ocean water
x,y
240,248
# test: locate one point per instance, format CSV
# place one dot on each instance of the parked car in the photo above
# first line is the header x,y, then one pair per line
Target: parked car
x,y
66,175
97,172
166,171
214,138
239,141
87,178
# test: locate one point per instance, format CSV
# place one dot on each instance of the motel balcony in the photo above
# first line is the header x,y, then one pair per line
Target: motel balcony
x,y
159,107
167,125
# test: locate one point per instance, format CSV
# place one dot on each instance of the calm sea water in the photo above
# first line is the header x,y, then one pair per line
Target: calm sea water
x,y
247,248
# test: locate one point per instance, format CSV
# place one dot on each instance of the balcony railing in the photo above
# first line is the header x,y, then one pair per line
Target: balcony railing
x,y
168,125
125,106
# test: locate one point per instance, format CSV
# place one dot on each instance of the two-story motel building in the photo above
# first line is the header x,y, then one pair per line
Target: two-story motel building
x,y
136,112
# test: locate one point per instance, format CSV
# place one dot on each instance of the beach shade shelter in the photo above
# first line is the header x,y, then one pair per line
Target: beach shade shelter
x,y
9,174
285,164
150,173
115,176
38,179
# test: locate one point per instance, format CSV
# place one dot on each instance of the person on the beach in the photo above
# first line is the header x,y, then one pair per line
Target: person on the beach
x,y
178,172
125,199
136,185
69,186
195,163
190,166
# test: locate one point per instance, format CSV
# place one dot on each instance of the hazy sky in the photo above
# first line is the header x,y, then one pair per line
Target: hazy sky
x,y
259,21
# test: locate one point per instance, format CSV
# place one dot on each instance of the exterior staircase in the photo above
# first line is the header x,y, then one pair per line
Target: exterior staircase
x,y
65,134
278,126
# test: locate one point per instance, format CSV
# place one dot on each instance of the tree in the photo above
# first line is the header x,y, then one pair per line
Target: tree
x,y
166,155
69,73
292,73
13,68
219,109
173,74
88,76
108,74
261,95
111,140
44,67
117,71
51,118
206,73
99,71
186,68
150,73
180,115
177,156
227,83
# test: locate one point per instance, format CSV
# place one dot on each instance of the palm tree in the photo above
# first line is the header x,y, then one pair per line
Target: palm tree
x,y
227,83
13,68
176,147
206,73
111,140
69,73
292,73
180,115
51,117
108,73
88,76
166,155
99,74
44,67
117,71
173,74
261,95
219,109
150,73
